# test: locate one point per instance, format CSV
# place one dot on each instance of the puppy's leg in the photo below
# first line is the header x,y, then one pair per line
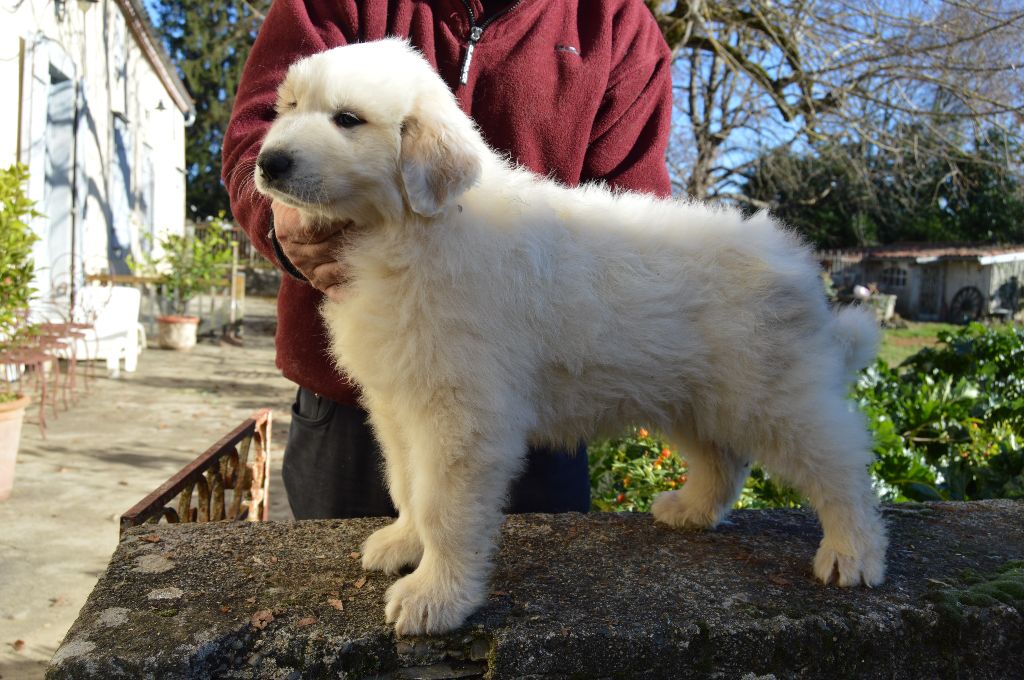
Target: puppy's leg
x,y
397,545
714,478
458,493
828,464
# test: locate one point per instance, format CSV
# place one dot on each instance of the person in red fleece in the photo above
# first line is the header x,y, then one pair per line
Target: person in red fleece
x,y
580,90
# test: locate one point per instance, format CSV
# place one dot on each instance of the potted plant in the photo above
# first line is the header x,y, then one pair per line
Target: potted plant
x,y
16,273
187,265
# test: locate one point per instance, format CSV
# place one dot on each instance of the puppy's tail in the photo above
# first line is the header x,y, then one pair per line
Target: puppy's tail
x,y
857,332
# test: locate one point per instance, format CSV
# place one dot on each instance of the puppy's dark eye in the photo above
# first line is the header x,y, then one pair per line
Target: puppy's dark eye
x,y
347,119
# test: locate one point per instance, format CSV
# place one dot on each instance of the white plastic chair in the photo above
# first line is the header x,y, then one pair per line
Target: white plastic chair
x,y
116,332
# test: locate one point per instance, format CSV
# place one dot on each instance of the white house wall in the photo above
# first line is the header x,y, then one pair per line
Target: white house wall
x,y
90,44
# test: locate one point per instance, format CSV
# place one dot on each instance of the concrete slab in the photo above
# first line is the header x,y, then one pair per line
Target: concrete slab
x,y
573,596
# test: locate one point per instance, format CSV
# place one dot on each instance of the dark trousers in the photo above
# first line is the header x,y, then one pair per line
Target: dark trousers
x,y
333,468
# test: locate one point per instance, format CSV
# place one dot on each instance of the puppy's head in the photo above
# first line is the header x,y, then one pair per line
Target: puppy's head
x,y
368,132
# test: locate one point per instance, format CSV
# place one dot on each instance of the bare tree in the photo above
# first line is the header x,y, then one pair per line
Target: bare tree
x,y
898,77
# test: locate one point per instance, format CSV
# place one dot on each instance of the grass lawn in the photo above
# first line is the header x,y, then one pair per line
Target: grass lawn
x,y
900,343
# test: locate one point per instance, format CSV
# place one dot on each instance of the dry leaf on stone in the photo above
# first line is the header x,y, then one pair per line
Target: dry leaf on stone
x,y
250,600
360,582
261,619
150,538
225,609
336,603
306,621
778,580
354,555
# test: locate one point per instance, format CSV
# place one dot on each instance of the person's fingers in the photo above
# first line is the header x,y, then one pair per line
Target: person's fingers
x,y
308,256
291,227
328,276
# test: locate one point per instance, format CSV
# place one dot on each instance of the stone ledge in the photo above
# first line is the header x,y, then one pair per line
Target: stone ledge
x,y
573,596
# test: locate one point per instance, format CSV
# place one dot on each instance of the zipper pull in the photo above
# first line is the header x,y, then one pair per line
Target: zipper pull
x,y
474,36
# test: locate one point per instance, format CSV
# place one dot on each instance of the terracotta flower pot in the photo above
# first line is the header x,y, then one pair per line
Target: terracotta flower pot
x,y
11,415
177,332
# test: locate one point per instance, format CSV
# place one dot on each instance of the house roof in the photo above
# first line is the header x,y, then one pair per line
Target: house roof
x,y
142,30
923,253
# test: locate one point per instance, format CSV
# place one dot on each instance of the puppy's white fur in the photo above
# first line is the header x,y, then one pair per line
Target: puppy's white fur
x,y
489,308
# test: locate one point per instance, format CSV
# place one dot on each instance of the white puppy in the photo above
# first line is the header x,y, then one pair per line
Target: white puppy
x,y
489,308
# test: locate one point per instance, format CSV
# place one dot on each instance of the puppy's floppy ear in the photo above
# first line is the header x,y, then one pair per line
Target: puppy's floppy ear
x,y
441,154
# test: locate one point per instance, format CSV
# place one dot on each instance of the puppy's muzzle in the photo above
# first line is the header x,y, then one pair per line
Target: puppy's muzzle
x,y
275,165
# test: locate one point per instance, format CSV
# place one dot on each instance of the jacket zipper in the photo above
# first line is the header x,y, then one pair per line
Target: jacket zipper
x,y
476,32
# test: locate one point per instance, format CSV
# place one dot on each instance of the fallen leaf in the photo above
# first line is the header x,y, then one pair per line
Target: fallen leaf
x,y
778,580
225,609
305,621
360,582
498,593
273,560
18,645
250,600
336,603
261,619
354,555
150,538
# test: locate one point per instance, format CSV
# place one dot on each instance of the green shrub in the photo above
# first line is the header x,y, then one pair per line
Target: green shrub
x,y
190,264
17,267
948,421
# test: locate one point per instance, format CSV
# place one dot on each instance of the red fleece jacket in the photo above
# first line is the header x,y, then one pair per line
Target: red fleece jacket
x,y
578,89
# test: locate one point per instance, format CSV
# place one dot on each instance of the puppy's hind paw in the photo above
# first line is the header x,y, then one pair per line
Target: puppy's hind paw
x,y
392,548
677,509
866,568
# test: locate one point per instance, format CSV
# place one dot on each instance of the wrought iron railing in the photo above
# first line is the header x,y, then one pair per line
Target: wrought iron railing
x,y
239,463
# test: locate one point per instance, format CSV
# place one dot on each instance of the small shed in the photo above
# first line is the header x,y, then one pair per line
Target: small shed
x,y
936,282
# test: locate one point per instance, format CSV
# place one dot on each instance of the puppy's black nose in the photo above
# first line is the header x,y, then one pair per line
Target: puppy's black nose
x,y
274,164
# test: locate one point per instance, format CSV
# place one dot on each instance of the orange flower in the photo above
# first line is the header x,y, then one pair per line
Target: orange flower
x,y
620,498
642,433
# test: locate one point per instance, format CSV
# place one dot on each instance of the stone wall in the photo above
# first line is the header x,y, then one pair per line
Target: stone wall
x,y
573,596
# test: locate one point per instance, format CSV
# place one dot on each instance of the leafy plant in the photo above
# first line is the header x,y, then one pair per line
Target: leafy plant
x,y
627,472
17,267
189,264
948,421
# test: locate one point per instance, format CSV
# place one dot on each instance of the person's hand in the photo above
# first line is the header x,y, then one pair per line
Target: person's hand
x,y
313,249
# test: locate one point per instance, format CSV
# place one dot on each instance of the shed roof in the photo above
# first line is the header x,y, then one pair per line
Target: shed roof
x,y
923,253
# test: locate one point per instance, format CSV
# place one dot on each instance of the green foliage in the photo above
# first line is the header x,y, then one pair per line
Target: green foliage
x,y
208,42
189,265
627,472
16,238
948,422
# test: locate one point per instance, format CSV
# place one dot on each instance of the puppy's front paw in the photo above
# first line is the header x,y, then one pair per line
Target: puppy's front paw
x,y
392,548
680,509
864,564
423,603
